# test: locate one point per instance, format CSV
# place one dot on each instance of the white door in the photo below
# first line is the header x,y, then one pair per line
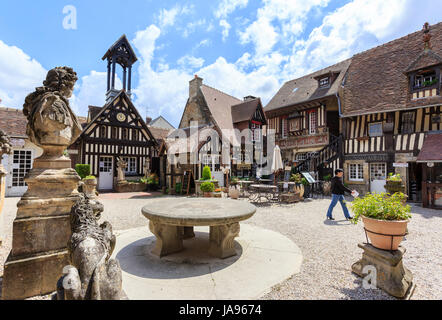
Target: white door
x,y
106,177
19,164
378,177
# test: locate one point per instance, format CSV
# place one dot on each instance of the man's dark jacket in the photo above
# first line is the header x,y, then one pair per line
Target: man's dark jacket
x,y
337,187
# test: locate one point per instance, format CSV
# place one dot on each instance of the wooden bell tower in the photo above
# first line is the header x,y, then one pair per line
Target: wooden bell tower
x,y
120,53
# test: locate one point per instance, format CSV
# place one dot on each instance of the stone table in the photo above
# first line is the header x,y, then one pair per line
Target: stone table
x,y
172,220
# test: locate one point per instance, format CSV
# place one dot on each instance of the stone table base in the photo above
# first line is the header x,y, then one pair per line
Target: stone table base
x,y
391,276
169,239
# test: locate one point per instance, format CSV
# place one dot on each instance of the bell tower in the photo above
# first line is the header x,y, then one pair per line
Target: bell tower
x,y
120,53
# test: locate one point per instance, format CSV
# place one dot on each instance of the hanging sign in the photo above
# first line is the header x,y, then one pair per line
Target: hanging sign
x,y
400,164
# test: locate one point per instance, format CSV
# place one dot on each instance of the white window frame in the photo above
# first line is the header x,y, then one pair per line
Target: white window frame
x,y
324,82
310,120
283,125
358,171
256,132
131,165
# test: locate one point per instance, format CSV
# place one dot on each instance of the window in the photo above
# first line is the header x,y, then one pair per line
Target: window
x,y
313,120
135,135
407,122
284,128
295,124
103,132
114,133
375,129
425,80
301,156
124,134
256,132
324,82
131,165
356,172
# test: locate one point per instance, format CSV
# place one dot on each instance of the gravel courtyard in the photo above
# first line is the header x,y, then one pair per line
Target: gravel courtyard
x,y
329,248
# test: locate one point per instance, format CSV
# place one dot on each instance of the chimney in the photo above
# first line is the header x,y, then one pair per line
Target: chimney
x,y
249,98
194,84
148,120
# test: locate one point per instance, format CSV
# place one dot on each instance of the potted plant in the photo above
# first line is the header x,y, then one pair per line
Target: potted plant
x,y
326,186
207,188
306,186
152,182
207,174
385,218
394,183
233,188
217,193
89,186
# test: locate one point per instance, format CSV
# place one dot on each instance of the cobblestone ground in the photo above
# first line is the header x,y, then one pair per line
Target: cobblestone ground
x,y
329,248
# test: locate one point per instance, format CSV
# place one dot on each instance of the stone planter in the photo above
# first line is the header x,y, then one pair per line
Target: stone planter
x,y
394,186
207,194
130,187
234,192
217,195
90,187
380,232
198,185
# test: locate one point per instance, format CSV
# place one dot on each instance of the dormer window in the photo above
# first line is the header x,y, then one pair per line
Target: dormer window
x,y
324,82
426,79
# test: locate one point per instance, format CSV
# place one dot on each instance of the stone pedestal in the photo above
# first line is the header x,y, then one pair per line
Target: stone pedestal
x,y
2,198
391,275
41,229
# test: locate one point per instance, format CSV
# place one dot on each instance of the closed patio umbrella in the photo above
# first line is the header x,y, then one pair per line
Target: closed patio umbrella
x,y
277,160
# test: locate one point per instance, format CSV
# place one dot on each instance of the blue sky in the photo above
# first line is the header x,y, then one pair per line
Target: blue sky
x,y
242,47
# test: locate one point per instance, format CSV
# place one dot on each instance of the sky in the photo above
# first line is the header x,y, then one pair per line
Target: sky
x,y
242,47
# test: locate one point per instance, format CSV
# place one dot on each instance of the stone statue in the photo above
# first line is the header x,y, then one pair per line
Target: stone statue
x,y
5,145
51,123
121,165
147,168
92,275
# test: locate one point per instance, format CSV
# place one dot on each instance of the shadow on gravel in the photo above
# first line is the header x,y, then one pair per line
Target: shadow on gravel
x,y
336,222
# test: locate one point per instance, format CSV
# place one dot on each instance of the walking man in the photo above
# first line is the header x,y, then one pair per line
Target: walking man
x,y
338,189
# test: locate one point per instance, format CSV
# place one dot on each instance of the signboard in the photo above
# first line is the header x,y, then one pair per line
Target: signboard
x,y
400,164
308,176
303,141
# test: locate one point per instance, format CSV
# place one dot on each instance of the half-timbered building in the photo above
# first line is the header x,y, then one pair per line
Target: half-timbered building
x,y
116,129
391,104
304,114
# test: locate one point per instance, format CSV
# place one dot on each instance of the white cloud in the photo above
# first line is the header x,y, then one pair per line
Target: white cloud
x,y
228,6
278,20
168,17
19,75
190,62
226,27
91,90
192,26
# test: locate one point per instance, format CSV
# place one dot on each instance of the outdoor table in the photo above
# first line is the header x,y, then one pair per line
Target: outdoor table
x,y
265,181
172,220
290,185
245,185
258,191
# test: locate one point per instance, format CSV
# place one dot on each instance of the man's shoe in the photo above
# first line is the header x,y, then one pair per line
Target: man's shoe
x,y
330,218
349,218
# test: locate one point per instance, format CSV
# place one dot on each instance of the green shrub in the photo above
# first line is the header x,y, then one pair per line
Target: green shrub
x,y
83,170
304,181
296,177
382,206
89,178
178,187
234,180
207,174
394,177
207,186
327,177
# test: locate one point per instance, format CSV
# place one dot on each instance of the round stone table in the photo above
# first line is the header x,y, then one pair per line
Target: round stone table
x,y
172,219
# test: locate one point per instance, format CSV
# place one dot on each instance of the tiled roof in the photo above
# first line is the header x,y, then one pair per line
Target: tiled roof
x,y
159,133
306,88
245,110
431,150
13,122
219,104
377,80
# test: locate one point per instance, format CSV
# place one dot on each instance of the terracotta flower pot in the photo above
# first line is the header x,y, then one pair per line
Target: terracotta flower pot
x,y
383,229
207,194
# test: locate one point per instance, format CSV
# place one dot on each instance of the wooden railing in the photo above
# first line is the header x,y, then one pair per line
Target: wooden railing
x,y
322,157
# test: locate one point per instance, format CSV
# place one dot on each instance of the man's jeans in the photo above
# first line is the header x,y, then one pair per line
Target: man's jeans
x,y
335,199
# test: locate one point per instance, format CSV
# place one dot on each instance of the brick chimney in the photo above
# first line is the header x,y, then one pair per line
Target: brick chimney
x,y
148,120
194,84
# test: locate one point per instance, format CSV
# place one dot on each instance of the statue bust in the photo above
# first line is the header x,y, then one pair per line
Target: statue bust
x,y
51,123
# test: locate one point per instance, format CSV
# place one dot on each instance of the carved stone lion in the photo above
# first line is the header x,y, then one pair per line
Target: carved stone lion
x,y
51,121
92,275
